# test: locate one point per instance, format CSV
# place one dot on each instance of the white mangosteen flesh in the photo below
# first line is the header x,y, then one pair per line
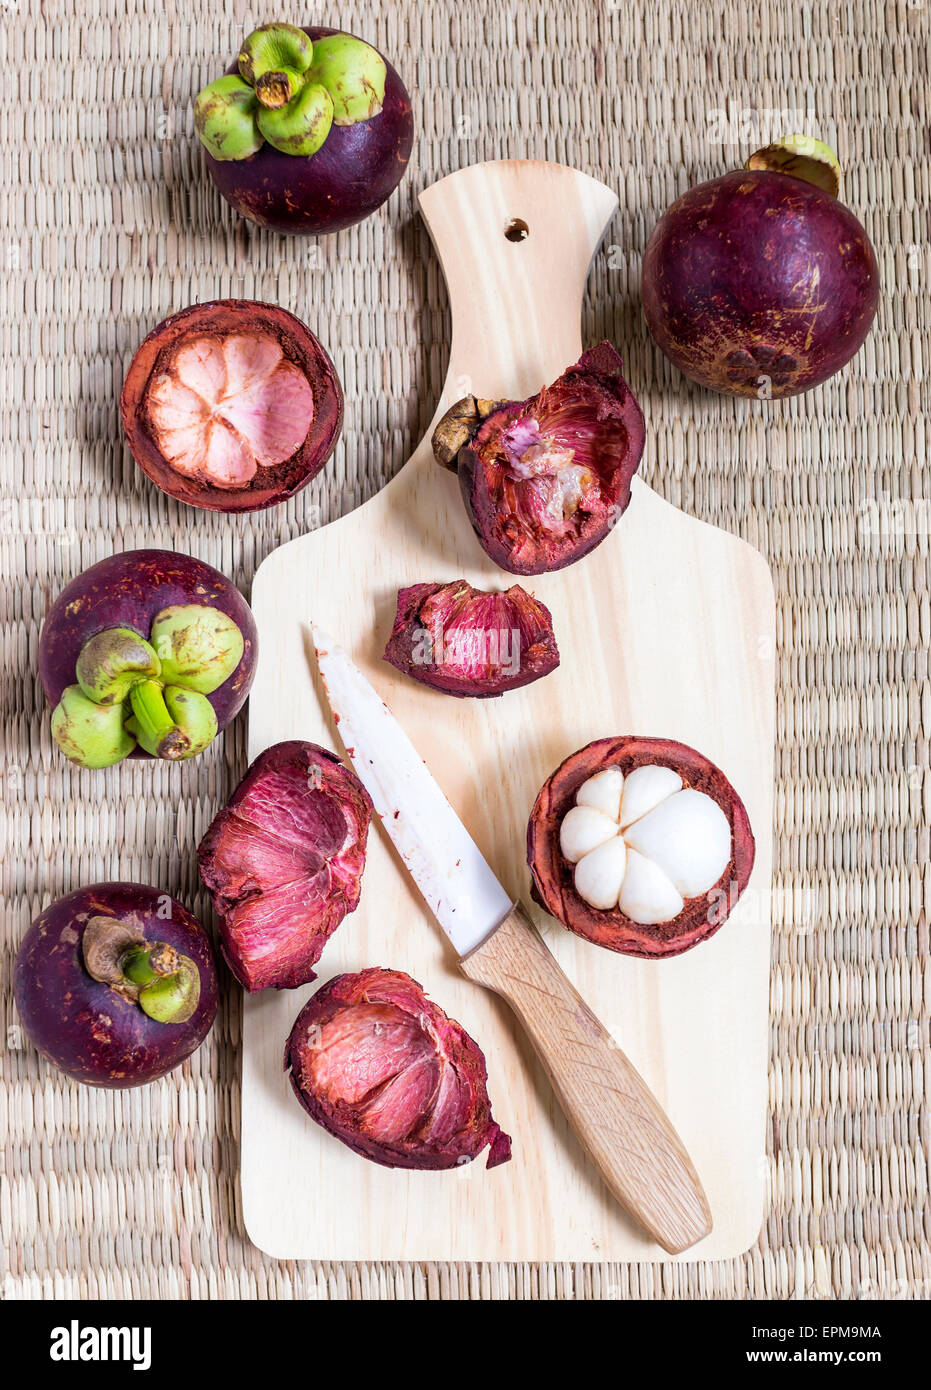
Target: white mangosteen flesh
x,y
226,405
583,830
644,843
603,791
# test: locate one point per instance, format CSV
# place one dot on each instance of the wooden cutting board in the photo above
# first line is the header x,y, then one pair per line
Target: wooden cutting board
x,y
666,629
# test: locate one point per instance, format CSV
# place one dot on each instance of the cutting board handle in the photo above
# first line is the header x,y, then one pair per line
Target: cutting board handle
x,y
616,1118
515,239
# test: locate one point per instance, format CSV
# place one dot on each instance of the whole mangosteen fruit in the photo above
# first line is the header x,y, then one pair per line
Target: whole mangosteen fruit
x,y
310,131
761,283
115,984
232,405
149,652
639,844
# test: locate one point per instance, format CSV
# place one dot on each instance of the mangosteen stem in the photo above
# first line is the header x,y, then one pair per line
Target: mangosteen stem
x,y
275,89
168,983
143,963
459,427
274,60
157,730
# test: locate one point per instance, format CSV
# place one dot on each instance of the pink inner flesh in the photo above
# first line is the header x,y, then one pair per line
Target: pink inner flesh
x,y
228,405
549,477
380,1062
286,868
552,470
474,634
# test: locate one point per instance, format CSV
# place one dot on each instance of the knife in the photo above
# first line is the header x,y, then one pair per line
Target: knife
x,y
615,1116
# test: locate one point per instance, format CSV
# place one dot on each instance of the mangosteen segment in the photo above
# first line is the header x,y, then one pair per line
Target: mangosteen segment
x,y
641,845
231,405
385,1070
545,480
467,642
283,863
664,841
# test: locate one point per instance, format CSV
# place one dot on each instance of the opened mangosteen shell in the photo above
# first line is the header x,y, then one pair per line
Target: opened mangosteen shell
x,y
438,1138
128,590
524,615
356,169
595,379
759,283
88,1029
286,820
225,317
552,874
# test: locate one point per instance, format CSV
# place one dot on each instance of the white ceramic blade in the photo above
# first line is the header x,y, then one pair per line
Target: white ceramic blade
x,y
440,854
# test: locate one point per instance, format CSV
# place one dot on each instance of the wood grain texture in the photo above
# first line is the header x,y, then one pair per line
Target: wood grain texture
x,y
665,629
613,1114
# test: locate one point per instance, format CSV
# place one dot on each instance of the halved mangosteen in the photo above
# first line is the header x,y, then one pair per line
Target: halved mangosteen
x,y
639,844
232,405
544,480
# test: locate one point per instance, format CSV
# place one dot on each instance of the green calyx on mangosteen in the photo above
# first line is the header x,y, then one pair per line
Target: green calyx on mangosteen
x,y
289,92
152,693
154,975
803,157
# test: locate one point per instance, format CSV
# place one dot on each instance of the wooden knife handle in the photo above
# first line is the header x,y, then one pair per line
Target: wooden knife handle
x,y
615,1116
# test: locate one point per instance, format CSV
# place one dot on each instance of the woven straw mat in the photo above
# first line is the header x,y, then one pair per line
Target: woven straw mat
x,y
110,223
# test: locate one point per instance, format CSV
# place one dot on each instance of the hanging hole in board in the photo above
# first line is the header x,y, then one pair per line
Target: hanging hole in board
x,y
517,230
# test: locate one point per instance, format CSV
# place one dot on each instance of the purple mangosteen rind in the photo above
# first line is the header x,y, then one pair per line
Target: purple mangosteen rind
x,y
538,655
128,590
596,380
552,885
348,178
273,484
760,283
399,991
233,878
87,1028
